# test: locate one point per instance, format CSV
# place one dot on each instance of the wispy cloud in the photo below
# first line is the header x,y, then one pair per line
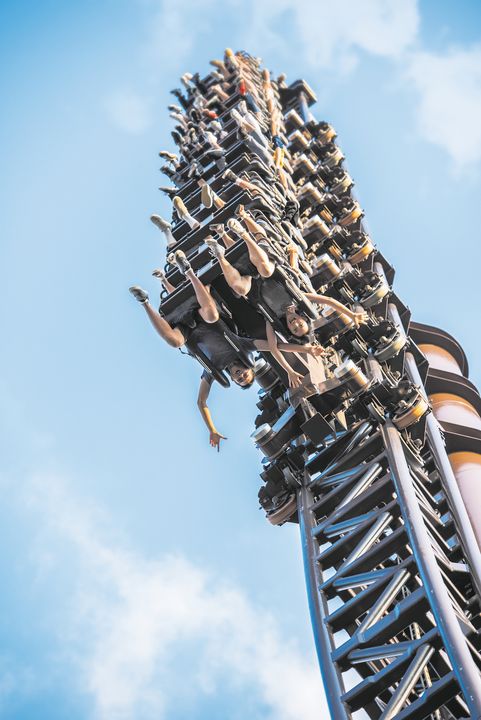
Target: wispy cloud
x,y
145,630
129,110
175,28
333,35
325,36
449,109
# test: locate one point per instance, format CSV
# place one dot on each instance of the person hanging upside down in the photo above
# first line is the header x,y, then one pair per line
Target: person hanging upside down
x,y
260,285
205,329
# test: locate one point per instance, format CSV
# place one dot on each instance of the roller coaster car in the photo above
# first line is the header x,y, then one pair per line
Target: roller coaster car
x,y
330,155
176,306
349,387
274,440
213,175
315,230
292,120
367,288
323,132
283,290
340,182
379,338
303,167
332,324
219,375
403,403
276,498
374,291
349,211
360,247
298,141
236,155
192,241
324,270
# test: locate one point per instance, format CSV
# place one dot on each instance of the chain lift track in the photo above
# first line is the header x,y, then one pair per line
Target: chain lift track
x,y
376,454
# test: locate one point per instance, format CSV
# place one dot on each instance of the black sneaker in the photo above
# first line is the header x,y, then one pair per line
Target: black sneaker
x,y
183,101
140,295
167,170
171,192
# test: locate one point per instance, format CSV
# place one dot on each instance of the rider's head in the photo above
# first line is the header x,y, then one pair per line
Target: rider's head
x,y
241,374
297,323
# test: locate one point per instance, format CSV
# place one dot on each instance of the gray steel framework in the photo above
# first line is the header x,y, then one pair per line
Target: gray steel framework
x,y
355,456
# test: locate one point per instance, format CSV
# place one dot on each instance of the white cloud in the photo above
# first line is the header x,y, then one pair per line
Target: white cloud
x,y
137,621
324,34
331,35
129,110
449,110
175,26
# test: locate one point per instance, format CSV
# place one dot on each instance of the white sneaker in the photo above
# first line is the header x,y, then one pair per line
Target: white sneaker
x,y
164,227
215,249
207,196
179,258
158,273
236,227
184,214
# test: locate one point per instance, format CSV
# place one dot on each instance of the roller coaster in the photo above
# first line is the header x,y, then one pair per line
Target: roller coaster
x,y
375,451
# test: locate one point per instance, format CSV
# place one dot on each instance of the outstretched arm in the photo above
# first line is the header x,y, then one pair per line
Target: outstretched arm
x,y
308,348
358,316
293,256
270,345
214,436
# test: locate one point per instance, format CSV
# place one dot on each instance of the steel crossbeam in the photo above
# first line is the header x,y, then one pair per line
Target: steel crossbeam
x,y
355,455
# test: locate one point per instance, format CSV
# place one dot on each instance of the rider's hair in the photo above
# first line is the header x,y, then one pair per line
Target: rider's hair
x,y
242,364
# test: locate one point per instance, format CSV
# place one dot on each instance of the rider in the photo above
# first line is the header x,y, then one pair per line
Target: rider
x,y
205,329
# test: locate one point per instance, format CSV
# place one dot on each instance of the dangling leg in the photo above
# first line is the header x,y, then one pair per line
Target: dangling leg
x,y
208,308
240,284
258,257
166,284
172,336
252,225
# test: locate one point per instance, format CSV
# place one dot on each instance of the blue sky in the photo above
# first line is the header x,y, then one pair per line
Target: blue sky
x,y
139,579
